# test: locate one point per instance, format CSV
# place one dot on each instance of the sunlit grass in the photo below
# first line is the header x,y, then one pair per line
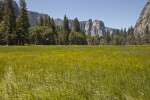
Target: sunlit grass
x,y
75,72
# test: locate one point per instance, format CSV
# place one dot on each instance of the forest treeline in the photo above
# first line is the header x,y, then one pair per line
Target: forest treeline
x,y
17,31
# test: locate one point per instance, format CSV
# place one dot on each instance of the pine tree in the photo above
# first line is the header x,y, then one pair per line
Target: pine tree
x,y
54,30
49,21
117,32
107,37
123,37
65,31
76,25
45,21
121,32
130,36
53,24
1,11
124,33
3,38
23,24
36,22
9,22
41,21
146,37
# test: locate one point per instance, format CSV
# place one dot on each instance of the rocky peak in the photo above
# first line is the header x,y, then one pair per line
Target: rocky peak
x,y
111,30
82,25
88,26
143,20
98,28
58,22
33,16
95,28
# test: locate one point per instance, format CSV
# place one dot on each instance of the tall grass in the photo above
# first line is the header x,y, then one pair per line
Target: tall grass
x,y
75,73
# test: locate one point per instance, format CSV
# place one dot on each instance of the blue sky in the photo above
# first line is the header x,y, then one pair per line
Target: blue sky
x,y
114,13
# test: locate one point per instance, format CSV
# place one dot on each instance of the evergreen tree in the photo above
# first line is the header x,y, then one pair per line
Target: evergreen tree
x,y
49,21
123,37
41,21
146,37
60,35
9,22
1,12
54,30
76,25
117,32
45,21
83,34
121,32
23,24
36,22
53,25
66,31
107,37
2,32
130,36
124,33
138,39
3,38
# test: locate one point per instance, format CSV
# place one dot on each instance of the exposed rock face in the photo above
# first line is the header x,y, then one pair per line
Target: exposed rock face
x,y
58,22
88,27
33,16
98,28
143,20
71,23
111,30
82,25
16,8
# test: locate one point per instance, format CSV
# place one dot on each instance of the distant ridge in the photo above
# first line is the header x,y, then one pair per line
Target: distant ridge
x,y
92,28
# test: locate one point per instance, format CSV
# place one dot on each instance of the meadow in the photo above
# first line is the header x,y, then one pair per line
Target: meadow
x,y
74,72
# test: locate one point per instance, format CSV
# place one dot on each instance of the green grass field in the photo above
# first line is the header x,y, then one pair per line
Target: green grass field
x,y
75,73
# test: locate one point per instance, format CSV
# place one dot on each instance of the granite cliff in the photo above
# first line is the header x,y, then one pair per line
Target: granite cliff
x,y
92,28
143,21
16,8
33,16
